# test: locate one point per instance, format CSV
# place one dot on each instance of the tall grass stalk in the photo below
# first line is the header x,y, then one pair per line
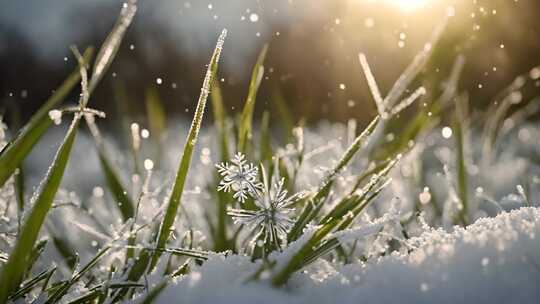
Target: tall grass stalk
x,y
12,272
315,203
14,269
394,102
245,128
181,175
20,146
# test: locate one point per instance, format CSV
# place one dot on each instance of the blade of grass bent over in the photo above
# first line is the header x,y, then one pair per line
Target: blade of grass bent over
x,y
13,271
42,201
112,43
14,268
18,148
178,187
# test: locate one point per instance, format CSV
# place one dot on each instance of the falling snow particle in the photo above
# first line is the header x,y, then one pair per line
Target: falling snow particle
x,y
145,133
253,17
148,164
446,132
97,192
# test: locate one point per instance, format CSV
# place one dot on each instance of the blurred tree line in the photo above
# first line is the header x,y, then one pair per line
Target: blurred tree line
x,y
312,61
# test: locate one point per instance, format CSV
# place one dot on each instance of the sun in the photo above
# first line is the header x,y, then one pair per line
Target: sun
x,y
410,5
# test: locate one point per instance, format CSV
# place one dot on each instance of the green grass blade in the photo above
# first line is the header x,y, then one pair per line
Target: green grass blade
x,y
244,130
266,152
460,126
65,250
416,66
181,175
34,255
220,115
62,290
155,111
110,46
86,298
120,195
156,120
13,271
20,186
197,254
154,293
18,148
312,248
219,233
30,284
314,205
283,112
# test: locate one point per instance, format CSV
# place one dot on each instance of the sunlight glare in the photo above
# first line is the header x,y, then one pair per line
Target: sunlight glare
x,y
410,5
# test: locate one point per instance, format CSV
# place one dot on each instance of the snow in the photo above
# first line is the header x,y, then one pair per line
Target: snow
x,y
494,260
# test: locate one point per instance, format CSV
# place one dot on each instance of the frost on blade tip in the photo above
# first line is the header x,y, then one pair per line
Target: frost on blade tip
x,y
372,83
85,93
112,43
207,84
414,68
421,91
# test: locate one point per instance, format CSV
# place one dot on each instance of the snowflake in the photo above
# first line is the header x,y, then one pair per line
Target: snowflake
x,y
239,177
271,220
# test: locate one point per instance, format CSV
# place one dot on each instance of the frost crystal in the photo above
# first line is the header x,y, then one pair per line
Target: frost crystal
x,y
239,177
270,221
272,218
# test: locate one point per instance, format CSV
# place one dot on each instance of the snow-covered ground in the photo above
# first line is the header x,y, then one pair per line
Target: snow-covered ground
x,y
494,260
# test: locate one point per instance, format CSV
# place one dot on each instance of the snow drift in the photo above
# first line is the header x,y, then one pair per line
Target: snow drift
x,y
494,260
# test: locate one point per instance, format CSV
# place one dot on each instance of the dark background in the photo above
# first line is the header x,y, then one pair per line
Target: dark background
x,y
313,50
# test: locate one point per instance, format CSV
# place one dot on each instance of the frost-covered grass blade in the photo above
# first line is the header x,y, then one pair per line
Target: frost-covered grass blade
x,y
18,148
181,175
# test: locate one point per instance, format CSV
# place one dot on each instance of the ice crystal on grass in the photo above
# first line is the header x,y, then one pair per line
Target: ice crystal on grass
x,y
239,177
272,218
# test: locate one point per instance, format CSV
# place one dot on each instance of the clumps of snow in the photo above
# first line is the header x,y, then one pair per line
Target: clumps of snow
x,y
494,260
56,116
